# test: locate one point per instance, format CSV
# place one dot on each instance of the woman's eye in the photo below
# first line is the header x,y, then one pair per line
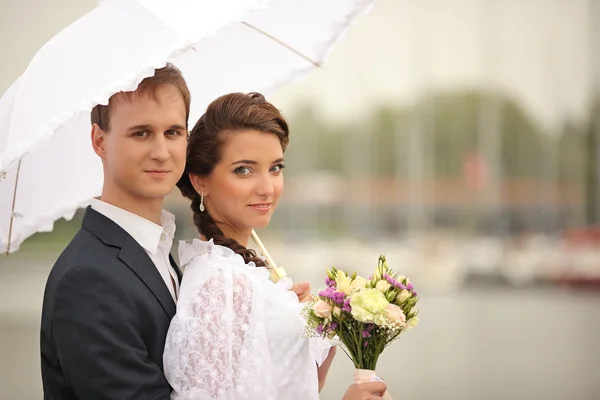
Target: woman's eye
x,y
242,170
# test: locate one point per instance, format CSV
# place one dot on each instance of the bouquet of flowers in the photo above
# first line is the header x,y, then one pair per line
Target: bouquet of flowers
x,y
366,315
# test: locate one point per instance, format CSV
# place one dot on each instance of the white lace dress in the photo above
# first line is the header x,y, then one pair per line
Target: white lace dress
x,y
236,334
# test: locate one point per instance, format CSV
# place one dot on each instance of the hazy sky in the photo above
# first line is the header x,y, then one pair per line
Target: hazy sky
x,y
537,50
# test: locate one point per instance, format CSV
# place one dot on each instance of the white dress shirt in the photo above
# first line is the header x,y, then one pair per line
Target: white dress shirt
x,y
155,239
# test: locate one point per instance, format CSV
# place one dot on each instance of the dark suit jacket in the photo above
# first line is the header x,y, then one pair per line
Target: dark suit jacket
x,y
105,317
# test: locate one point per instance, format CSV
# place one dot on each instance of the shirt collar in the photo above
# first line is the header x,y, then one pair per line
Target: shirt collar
x,y
145,232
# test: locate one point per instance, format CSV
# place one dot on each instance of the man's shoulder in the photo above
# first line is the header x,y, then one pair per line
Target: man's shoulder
x,y
84,252
86,245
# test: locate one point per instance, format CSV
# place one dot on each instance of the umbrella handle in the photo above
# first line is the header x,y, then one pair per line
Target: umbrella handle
x,y
12,211
276,272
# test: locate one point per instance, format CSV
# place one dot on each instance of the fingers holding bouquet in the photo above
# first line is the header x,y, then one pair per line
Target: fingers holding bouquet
x,y
365,391
302,290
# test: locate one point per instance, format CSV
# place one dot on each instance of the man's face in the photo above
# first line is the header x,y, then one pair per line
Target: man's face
x,y
145,149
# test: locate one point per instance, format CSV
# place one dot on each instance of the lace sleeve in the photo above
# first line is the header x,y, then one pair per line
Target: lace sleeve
x,y
216,347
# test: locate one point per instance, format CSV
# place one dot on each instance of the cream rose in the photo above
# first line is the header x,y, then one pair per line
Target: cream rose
x,y
337,311
403,296
383,286
395,315
322,309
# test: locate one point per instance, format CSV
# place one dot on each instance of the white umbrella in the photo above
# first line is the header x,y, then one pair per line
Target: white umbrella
x,y
48,166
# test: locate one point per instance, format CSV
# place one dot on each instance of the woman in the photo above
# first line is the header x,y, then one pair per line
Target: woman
x,y
236,334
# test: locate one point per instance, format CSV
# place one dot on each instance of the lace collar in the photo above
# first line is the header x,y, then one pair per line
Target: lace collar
x,y
217,253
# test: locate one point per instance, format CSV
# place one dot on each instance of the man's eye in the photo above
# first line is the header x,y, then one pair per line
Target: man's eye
x,y
277,168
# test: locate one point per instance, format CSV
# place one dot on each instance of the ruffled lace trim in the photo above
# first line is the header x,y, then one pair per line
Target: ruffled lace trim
x,y
23,229
219,255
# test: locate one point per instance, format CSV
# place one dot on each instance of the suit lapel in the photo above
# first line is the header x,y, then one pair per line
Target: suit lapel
x,y
131,254
140,263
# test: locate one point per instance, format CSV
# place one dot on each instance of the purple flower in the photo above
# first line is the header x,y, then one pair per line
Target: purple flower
x,y
366,343
331,294
339,297
333,326
319,329
329,282
366,334
393,282
346,306
410,287
327,292
414,293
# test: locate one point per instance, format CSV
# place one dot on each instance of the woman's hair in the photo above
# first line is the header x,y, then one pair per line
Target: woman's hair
x,y
230,113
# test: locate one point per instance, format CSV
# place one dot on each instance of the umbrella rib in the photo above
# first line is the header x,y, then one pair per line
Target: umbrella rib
x,y
287,46
12,211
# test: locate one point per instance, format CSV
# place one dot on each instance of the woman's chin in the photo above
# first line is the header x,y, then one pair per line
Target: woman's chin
x,y
261,222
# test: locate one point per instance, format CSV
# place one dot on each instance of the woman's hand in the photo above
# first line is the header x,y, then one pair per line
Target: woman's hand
x,y
365,391
302,290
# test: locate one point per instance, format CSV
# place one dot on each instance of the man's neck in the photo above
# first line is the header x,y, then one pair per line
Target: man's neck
x,y
149,209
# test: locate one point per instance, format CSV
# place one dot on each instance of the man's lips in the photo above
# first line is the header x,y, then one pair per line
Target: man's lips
x,y
157,172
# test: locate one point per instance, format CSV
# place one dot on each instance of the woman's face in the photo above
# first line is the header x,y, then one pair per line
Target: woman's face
x,y
244,188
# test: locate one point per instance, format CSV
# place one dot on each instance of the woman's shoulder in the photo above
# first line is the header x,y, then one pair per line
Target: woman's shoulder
x,y
211,257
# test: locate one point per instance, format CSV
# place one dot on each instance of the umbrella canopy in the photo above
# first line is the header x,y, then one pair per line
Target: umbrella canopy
x,y
46,160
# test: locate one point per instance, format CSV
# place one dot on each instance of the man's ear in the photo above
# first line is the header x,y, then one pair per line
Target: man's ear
x,y
99,141
198,183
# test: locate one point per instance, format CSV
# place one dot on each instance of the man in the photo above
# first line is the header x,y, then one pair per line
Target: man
x,y
111,294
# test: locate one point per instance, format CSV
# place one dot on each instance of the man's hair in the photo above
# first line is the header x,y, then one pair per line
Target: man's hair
x,y
168,75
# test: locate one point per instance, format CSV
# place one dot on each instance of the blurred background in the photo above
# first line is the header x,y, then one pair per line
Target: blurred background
x,y
459,137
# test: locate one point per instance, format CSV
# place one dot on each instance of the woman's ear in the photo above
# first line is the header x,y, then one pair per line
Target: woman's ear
x,y
198,183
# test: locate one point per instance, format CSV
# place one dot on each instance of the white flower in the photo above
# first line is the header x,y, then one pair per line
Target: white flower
x,y
342,283
411,323
382,286
413,312
369,305
322,309
337,311
359,283
403,296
